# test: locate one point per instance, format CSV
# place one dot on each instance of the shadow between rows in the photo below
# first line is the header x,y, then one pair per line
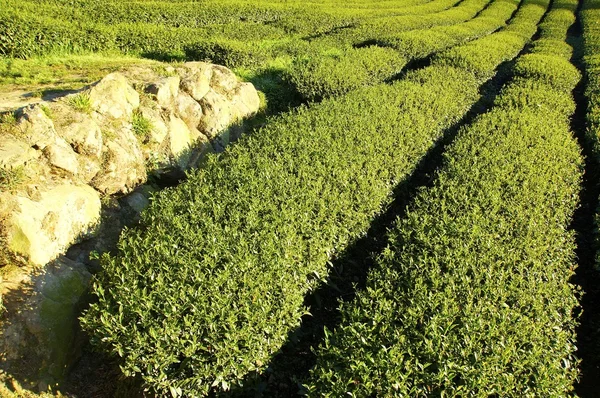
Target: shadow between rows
x,y
349,270
587,276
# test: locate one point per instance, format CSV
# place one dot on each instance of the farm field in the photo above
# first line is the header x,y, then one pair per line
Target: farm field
x,y
413,211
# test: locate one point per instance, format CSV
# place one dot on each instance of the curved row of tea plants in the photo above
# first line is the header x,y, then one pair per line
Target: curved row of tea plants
x,y
334,73
29,28
472,296
212,283
372,29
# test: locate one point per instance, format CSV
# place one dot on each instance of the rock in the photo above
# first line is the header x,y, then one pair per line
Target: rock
x,y
83,134
245,101
180,141
137,201
36,127
42,327
187,109
217,114
15,153
41,230
114,97
124,164
223,80
159,130
164,91
63,157
196,78
89,167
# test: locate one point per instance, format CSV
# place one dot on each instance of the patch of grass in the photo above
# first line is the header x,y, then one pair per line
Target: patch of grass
x,y
81,102
11,178
47,111
142,126
64,71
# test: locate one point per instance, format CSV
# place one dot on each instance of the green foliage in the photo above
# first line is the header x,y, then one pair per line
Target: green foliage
x,y
80,102
551,69
11,178
141,125
276,206
472,296
325,75
329,73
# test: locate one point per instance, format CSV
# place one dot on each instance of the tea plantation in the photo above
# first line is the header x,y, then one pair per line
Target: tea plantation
x,y
403,220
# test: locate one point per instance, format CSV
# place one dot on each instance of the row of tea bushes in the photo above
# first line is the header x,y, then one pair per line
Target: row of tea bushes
x,y
210,285
334,72
472,296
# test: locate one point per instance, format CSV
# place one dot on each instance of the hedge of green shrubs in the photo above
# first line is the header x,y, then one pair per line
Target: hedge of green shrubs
x,y
472,296
319,75
208,288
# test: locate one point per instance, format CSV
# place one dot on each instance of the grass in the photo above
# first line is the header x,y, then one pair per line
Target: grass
x,y
11,178
81,102
62,71
141,125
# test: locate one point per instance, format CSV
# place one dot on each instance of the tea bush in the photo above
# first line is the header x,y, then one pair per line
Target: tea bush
x,y
212,283
472,296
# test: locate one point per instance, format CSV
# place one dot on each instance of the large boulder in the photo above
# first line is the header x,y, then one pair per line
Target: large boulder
x,y
114,97
124,166
41,229
196,79
164,91
83,133
36,128
40,339
15,153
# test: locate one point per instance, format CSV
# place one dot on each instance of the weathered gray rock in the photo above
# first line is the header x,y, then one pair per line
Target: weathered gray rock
x,y
124,165
187,109
245,101
137,201
37,129
217,114
196,79
114,97
41,320
223,80
84,134
42,229
180,141
164,91
159,130
63,157
15,153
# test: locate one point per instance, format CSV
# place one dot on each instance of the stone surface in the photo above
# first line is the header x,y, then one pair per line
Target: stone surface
x,y
196,79
63,157
159,130
245,101
123,165
137,201
165,91
217,114
41,336
114,97
223,80
180,141
84,134
37,129
188,110
15,153
40,230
